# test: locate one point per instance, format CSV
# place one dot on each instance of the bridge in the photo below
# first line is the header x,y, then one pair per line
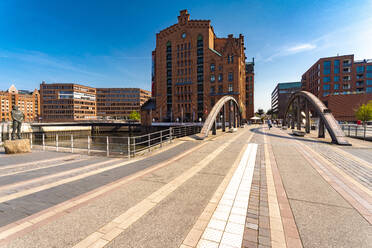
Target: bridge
x,y
250,188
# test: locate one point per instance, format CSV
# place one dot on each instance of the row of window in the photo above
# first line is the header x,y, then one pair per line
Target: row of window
x,y
358,91
346,86
220,89
230,77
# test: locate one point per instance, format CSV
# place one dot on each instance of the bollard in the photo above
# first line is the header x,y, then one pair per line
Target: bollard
x,y
170,135
128,147
43,141
356,131
349,131
72,143
88,145
107,146
31,140
57,145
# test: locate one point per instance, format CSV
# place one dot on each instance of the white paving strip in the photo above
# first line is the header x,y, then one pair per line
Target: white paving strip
x,y
226,226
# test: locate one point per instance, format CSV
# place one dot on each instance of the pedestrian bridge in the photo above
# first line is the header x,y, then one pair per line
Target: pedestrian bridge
x,y
304,101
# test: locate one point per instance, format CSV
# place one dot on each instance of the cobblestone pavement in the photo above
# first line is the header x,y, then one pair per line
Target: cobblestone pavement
x,y
253,188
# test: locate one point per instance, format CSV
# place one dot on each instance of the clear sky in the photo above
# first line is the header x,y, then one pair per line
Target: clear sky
x,y
109,43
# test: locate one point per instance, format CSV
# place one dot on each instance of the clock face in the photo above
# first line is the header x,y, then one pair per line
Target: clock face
x,y
183,35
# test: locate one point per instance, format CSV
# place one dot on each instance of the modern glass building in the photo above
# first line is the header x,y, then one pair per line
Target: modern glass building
x,y
281,95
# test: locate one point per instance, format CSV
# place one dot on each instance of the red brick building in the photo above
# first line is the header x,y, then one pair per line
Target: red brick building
x,y
27,101
193,69
341,82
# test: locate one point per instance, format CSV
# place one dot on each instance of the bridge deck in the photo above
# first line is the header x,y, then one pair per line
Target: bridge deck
x,y
255,187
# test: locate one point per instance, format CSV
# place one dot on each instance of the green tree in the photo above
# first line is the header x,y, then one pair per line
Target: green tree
x,y
364,112
134,115
260,112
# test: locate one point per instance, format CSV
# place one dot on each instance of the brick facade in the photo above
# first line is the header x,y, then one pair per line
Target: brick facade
x,y
193,69
27,101
341,83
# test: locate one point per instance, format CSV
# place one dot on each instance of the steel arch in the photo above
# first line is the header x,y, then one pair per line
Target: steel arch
x,y
323,112
208,124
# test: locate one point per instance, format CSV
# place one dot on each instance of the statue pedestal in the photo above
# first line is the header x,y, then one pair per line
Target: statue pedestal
x,y
17,146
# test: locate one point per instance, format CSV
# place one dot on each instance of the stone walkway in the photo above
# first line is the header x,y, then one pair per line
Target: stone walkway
x,y
253,188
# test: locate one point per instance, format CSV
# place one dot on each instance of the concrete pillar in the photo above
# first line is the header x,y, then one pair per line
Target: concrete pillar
x,y
321,133
223,118
298,114
307,114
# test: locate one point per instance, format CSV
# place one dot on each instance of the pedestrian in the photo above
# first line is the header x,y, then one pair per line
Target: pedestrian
x,y
269,123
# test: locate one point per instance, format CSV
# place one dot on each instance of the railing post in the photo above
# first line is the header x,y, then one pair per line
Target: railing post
x,y
57,142
88,145
148,141
356,131
107,146
31,139
161,138
72,143
170,135
364,135
349,131
128,147
43,141
134,146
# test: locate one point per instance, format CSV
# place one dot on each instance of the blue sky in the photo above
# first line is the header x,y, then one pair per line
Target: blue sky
x,y
109,43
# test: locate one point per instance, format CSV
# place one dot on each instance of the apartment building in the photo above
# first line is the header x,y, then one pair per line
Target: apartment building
x,y
27,101
341,82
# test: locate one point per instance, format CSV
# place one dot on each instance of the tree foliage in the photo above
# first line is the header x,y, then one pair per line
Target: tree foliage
x,y
364,112
134,115
260,112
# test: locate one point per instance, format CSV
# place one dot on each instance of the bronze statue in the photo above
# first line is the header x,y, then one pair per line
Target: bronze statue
x,y
17,117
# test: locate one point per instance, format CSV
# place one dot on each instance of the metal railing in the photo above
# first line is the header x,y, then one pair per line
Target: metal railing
x,y
357,131
108,145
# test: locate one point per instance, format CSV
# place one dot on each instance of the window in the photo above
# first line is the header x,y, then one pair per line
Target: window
x,y
336,78
326,87
369,90
346,70
369,75
336,70
327,67
369,82
220,89
213,78
220,77
336,86
360,69
230,77
326,79
326,94
230,88
369,68
213,90
359,83
213,67
337,63
346,86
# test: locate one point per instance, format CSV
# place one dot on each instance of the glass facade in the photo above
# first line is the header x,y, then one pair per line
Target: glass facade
x,y
336,78
326,87
336,86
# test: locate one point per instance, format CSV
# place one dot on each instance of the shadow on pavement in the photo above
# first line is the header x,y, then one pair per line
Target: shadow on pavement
x,y
258,131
